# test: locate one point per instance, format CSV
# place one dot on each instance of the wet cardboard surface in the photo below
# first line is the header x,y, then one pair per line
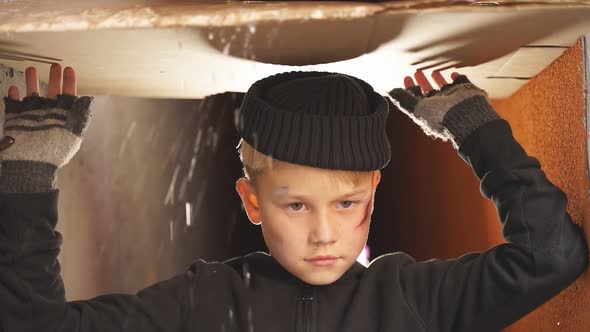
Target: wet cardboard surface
x,y
194,49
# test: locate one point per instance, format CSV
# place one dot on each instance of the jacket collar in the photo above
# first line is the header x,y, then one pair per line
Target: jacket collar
x,y
262,264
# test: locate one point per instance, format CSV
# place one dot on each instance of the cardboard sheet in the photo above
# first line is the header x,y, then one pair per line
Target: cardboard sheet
x,y
198,48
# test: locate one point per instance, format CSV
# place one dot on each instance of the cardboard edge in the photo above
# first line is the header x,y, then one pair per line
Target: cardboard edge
x,y
199,14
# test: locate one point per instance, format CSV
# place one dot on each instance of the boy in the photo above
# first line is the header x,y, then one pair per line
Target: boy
x,y
313,144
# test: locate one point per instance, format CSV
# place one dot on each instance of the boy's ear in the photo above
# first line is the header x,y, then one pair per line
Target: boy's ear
x,y
247,193
376,178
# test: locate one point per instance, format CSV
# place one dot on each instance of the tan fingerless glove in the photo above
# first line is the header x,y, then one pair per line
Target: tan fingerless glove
x,y
454,112
47,134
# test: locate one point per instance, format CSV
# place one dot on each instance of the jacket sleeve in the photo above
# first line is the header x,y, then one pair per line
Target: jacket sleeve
x,y
545,252
32,296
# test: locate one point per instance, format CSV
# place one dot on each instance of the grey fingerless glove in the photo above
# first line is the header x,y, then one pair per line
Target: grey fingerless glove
x,y
47,133
454,112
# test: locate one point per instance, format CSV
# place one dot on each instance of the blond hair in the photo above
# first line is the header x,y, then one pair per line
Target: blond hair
x,y
256,163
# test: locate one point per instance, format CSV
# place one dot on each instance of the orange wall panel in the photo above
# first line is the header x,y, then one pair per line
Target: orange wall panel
x,y
429,205
547,116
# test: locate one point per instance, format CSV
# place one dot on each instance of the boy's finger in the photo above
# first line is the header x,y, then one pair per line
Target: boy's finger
x,y
408,82
411,86
454,75
32,82
54,87
13,93
69,86
423,81
439,79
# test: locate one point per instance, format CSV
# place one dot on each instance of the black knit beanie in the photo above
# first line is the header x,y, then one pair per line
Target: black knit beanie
x,y
318,119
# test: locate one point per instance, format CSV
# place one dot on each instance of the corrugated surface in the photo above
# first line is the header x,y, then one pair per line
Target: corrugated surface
x,y
547,117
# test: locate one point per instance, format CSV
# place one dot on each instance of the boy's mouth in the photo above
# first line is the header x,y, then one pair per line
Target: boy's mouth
x,y
323,260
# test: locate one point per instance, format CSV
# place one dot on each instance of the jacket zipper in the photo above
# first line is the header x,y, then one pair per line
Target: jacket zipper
x,y
305,319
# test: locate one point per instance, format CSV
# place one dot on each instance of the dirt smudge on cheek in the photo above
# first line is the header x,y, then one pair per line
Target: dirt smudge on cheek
x,y
366,216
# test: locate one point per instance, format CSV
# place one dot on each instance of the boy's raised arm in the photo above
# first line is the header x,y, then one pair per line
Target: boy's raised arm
x,y
32,294
47,133
546,250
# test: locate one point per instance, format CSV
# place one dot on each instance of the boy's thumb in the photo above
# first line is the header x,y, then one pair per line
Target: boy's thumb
x,y
404,99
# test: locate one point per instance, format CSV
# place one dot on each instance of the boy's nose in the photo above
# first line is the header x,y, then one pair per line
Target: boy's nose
x,y
323,231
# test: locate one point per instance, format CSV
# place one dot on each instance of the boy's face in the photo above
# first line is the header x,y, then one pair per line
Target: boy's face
x,y
314,224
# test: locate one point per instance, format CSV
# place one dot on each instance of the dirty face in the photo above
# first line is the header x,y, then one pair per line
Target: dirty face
x,y
315,225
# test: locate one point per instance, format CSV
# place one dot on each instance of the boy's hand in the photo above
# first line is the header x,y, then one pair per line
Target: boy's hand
x,y
47,132
453,112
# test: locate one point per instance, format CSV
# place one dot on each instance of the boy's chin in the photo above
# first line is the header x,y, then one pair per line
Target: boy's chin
x,y
321,278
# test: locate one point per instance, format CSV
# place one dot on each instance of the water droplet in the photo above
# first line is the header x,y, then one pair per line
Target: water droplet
x,y
171,230
197,145
170,194
210,36
126,139
188,213
236,116
250,324
226,48
192,168
246,274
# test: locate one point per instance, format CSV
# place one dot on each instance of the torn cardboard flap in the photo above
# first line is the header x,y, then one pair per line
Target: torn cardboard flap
x,y
191,50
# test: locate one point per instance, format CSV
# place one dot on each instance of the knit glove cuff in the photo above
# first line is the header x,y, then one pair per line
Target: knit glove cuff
x,y
47,134
467,116
454,112
27,176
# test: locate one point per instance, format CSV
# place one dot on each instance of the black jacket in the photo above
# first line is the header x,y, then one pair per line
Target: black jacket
x,y
477,292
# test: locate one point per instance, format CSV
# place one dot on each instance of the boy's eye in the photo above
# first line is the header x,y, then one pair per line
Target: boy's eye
x,y
296,206
346,204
